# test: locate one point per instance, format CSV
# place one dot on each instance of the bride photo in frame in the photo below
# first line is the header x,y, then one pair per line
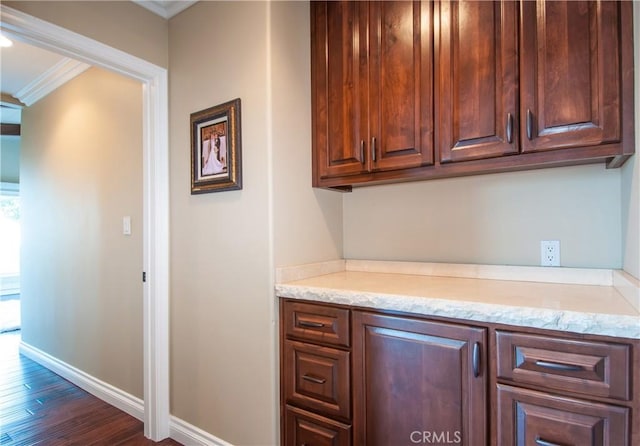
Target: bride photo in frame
x,y
216,149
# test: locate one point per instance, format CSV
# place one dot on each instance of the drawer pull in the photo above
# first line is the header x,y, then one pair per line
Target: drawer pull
x,y
475,359
373,149
310,324
529,124
313,379
541,442
558,366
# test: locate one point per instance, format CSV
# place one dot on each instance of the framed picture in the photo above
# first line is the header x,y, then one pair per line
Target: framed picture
x,y
216,152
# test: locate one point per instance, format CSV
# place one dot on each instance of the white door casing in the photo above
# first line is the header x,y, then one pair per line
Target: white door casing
x,y
20,26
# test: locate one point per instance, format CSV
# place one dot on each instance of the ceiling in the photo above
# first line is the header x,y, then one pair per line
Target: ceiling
x,y
27,73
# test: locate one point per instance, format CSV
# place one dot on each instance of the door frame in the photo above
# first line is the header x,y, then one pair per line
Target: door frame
x,y
155,164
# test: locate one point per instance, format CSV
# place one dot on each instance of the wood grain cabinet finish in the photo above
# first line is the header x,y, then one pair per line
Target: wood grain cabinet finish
x,y
317,323
477,90
371,88
530,418
368,377
418,90
414,377
318,378
315,374
583,367
304,428
571,74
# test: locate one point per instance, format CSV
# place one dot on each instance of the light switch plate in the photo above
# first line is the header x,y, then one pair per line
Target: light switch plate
x,y
126,225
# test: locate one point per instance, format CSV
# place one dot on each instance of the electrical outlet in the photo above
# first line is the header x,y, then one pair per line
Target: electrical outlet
x,y
550,253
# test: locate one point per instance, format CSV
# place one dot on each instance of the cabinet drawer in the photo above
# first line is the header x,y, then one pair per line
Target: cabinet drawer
x,y
526,417
316,323
317,378
305,428
587,367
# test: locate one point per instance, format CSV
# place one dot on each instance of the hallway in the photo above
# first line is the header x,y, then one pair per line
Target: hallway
x,y
39,407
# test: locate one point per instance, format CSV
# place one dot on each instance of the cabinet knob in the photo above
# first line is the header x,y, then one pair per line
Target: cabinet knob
x,y
529,124
509,128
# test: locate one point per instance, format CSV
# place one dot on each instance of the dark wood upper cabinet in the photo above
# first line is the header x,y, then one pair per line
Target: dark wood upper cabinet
x,y
371,87
570,74
407,90
339,87
400,89
477,80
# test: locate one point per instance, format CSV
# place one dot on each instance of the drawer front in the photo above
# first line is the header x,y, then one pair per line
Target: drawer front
x,y
305,428
316,323
317,378
591,368
529,418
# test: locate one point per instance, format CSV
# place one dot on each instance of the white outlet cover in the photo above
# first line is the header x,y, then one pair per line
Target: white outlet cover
x,y
550,253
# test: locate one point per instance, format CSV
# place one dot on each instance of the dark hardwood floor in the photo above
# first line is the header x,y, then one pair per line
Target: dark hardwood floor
x,y
38,407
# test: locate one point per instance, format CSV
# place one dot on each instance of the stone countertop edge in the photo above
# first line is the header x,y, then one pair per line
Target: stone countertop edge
x,y
620,326
585,322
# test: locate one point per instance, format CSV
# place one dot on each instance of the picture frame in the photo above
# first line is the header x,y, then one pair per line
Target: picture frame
x,y
216,149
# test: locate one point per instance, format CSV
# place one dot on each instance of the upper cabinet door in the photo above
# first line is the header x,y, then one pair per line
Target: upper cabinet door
x,y
570,74
477,80
401,85
339,88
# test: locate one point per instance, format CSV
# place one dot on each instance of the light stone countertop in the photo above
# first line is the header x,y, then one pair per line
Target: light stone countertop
x,y
593,309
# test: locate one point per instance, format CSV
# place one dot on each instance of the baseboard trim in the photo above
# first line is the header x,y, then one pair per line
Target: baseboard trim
x,y
190,435
124,401
180,430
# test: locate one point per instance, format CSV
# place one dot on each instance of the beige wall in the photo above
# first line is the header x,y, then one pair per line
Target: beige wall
x,y
631,175
223,306
10,159
491,219
120,24
81,162
222,374
307,221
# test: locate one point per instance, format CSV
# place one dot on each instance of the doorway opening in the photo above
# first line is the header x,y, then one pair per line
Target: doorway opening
x,y
9,257
155,177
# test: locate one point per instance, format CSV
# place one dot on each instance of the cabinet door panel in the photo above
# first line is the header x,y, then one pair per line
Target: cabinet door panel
x,y
400,66
477,80
570,74
339,87
529,418
413,377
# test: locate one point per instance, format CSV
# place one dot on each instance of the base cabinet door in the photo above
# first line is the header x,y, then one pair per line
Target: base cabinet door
x,y
304,428
530,418
417,381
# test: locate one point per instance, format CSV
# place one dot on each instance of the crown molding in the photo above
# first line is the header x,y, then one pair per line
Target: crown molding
x,y
54,77
163,8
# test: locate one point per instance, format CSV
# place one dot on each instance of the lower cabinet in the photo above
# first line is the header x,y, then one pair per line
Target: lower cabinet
x,y
353,376
308,429
418,382
526,417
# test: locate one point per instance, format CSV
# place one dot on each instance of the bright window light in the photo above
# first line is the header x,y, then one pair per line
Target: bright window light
x,y
4,42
